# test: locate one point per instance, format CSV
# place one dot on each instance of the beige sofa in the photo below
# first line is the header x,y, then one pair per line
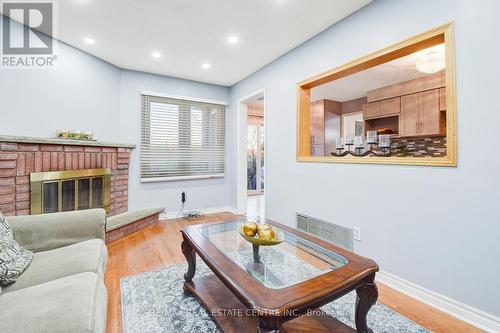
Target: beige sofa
x,y
62,290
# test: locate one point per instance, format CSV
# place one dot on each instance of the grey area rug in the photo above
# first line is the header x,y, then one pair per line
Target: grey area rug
x,y
155,302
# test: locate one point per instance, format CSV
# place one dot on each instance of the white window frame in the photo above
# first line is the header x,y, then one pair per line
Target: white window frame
x,y
194,99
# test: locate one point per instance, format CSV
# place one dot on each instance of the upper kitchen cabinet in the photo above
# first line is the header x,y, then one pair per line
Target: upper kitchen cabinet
x,y
421,115
409,108
408,124
371,110
442,99
429,116
391,106
387,107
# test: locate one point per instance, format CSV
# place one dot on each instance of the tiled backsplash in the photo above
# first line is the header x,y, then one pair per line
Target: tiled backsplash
x,y
432,146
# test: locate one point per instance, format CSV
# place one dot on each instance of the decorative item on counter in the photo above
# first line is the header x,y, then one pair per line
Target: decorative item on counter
x,y
348,141
359,144
384,142
371,138
75,135
384,131
339,144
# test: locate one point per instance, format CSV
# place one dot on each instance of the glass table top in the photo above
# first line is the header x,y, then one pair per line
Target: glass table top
x,y
293,261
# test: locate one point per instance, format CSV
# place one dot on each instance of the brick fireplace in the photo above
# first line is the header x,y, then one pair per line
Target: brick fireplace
x,y
21,156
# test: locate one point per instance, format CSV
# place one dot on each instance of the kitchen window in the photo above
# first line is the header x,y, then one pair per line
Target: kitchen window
x,y
181,138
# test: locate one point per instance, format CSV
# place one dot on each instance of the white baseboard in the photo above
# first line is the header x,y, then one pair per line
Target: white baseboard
x,y
210,210
464,312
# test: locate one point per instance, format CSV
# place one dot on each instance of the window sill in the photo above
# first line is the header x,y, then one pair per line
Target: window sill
x,y
172,179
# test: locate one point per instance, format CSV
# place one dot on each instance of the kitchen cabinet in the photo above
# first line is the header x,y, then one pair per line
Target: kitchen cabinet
x,y
442,99
428,112
409,115
391,106
420,114
387,107
371,110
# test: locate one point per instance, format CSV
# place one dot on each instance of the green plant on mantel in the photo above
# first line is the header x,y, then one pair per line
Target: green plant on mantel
x,y
76,135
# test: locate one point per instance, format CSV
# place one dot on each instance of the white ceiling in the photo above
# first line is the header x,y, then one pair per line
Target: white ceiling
x,y
190,32
357,85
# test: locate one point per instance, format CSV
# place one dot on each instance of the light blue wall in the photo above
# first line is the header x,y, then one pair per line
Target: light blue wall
x,y
436,227
200,193
82,92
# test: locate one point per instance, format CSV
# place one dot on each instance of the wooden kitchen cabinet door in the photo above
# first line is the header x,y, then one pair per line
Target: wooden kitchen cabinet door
x,y
428,112
409,115
442,99
390,106
371,110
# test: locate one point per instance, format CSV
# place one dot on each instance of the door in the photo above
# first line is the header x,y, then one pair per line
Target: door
x,y
352,125
255,157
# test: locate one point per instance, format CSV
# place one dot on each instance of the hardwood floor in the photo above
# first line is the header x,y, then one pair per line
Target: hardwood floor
x,y
160,245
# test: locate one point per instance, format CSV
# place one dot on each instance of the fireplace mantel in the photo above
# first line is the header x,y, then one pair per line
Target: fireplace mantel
x,y
57,141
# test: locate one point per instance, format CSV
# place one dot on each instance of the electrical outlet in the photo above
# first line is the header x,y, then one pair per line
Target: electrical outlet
x,y
356,233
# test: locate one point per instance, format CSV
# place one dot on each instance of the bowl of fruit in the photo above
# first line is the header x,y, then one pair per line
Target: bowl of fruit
x,y
261,234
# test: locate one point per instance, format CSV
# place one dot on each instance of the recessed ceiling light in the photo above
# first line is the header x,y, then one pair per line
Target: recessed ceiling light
x,y
88,40
232,39
205,65
156,55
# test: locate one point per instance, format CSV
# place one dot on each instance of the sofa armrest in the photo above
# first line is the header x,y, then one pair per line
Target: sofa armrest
x,y
50,231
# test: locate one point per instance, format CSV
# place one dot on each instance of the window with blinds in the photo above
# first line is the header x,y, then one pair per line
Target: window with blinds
x,y
181,139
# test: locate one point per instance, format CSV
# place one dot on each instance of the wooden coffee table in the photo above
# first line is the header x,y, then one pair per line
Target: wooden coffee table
x,y
283,290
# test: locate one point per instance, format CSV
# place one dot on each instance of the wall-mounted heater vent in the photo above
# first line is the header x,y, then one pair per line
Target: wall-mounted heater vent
x,y
336,234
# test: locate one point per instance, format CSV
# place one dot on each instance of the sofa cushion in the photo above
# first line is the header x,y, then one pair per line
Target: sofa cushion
x,y
87,256
75,303
14,259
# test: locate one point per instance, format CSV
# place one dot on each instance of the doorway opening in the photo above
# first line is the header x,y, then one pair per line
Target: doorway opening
x,y
255,147
251,157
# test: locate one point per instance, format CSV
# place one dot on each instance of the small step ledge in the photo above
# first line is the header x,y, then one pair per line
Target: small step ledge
x,y
120,220
121,225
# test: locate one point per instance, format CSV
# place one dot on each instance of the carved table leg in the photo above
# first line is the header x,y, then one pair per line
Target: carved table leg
x,y
190,255
267,325
367,295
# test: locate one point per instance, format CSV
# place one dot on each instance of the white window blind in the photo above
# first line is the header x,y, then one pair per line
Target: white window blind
x,y
181,139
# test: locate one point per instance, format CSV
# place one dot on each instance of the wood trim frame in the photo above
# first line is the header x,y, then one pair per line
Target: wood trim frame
x,y
444,33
